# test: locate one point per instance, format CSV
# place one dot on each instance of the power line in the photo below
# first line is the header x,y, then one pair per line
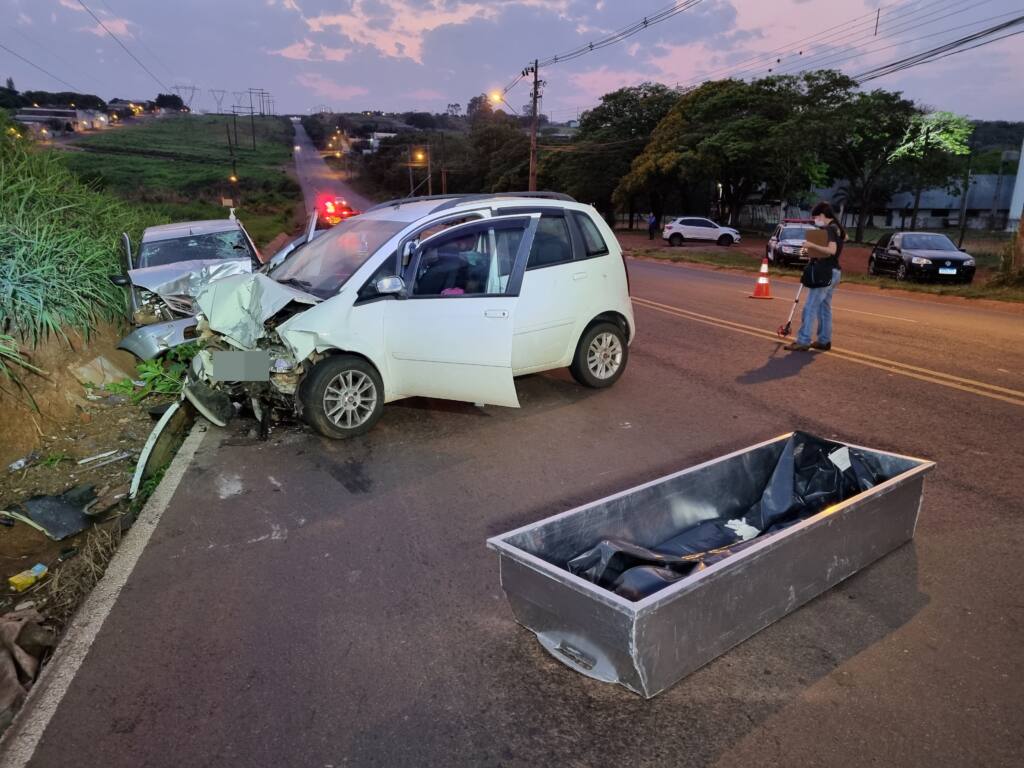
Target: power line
x,y
944,50
33,64
125,47
142,42
822,60
92,78
841,30
616,37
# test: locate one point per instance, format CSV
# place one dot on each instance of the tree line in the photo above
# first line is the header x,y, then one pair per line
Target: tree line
x,y
710,150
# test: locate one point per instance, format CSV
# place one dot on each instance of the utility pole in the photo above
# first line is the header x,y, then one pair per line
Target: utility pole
x,y
963,200
411,187
252,120
430,173
444,167
532,187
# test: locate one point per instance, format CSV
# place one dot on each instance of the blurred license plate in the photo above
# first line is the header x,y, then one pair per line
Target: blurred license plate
x,y
947,270
241,366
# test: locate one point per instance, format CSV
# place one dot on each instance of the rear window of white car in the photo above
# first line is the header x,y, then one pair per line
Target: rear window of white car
x,y
592,240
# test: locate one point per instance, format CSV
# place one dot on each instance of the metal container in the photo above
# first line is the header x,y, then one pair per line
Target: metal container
x,y
650,644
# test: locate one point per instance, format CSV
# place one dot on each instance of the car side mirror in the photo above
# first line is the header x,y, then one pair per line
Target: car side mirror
x,y
121,280
391,286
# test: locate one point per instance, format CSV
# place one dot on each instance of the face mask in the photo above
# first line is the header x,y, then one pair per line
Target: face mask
x,y
820,222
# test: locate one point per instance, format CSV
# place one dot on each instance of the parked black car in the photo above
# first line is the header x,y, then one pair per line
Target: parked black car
x,y
783,248
922,256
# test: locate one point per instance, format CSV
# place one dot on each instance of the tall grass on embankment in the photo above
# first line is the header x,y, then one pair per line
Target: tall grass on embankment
x,y
59,242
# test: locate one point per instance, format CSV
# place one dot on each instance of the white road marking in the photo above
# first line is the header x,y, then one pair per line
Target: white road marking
x,y
19,743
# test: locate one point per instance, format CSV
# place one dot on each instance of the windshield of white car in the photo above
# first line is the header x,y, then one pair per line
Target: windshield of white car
x,y
222,245
325,264
928,243
794,233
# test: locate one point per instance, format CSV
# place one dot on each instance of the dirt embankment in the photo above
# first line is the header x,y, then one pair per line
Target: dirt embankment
x,y
59,398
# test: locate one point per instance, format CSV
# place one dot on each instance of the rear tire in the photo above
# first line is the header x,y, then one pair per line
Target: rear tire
x,y
675,240
872,269
725,240
343,397
601,356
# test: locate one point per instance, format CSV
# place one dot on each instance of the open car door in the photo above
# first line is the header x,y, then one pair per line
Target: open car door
x,y
450,334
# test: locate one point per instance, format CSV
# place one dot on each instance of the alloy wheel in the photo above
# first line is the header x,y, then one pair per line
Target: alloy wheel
x,y
604,355
350,399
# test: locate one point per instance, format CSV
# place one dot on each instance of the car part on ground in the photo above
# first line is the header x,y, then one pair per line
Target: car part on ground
x,y
724,595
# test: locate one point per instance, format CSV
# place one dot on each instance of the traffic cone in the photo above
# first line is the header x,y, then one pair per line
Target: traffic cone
x,y
763,289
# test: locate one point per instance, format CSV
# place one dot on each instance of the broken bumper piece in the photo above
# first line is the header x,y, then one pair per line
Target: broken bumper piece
x,y
151,341
212,403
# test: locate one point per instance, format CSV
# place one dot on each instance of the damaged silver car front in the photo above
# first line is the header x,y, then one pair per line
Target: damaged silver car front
x,y
244,359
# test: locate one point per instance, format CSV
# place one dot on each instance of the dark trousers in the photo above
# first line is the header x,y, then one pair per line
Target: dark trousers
x,y
651,229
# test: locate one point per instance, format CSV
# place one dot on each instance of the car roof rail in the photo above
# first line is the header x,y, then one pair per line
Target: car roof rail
x,y
450,201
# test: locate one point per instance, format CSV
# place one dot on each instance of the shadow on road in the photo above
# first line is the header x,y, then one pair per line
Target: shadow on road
x,y
779,365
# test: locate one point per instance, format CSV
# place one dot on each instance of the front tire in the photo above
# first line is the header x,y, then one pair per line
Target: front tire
x,y
902,274
343,397
872,269
675,240
601,356
725,240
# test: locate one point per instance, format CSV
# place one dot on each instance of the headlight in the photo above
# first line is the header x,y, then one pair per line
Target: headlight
x,y
790,249
968,262
920,260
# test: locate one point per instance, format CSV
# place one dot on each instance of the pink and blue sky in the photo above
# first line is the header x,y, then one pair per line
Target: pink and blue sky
x,y
424,54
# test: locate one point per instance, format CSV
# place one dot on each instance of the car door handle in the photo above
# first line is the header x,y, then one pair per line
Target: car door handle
x,y
580,276
498,314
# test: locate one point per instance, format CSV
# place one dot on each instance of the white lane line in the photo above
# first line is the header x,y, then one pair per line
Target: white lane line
x,y
19,743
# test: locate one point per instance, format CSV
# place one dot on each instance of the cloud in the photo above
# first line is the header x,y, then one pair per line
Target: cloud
x,y
71,5
329,88
24,20
307,50
288,5
300,51
119,27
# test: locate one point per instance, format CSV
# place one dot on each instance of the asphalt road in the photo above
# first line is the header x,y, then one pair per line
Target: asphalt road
x,y
316,177
309,603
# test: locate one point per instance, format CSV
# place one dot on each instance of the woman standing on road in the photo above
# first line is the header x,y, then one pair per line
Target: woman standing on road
x,y
819,300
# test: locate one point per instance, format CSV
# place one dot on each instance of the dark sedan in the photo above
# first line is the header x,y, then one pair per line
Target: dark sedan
x,y
921,256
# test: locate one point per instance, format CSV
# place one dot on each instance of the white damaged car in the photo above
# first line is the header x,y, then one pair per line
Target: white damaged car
x,y
446,297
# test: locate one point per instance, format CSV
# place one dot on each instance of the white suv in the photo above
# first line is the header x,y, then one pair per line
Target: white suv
x,y
448,297
678,231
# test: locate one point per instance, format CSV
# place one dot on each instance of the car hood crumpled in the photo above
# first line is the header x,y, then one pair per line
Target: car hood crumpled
x,y
238,306
187,278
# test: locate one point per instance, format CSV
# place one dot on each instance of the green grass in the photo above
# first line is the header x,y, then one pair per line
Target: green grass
x,y
59,242
996,288
182,164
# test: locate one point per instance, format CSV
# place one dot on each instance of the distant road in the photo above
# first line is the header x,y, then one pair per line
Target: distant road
x,y
316,177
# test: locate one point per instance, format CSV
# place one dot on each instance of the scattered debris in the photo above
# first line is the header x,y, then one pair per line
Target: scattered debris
x,y
24,463
121,456
21,581
161,443
97,456
98,372
57,516
107,501
23,641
